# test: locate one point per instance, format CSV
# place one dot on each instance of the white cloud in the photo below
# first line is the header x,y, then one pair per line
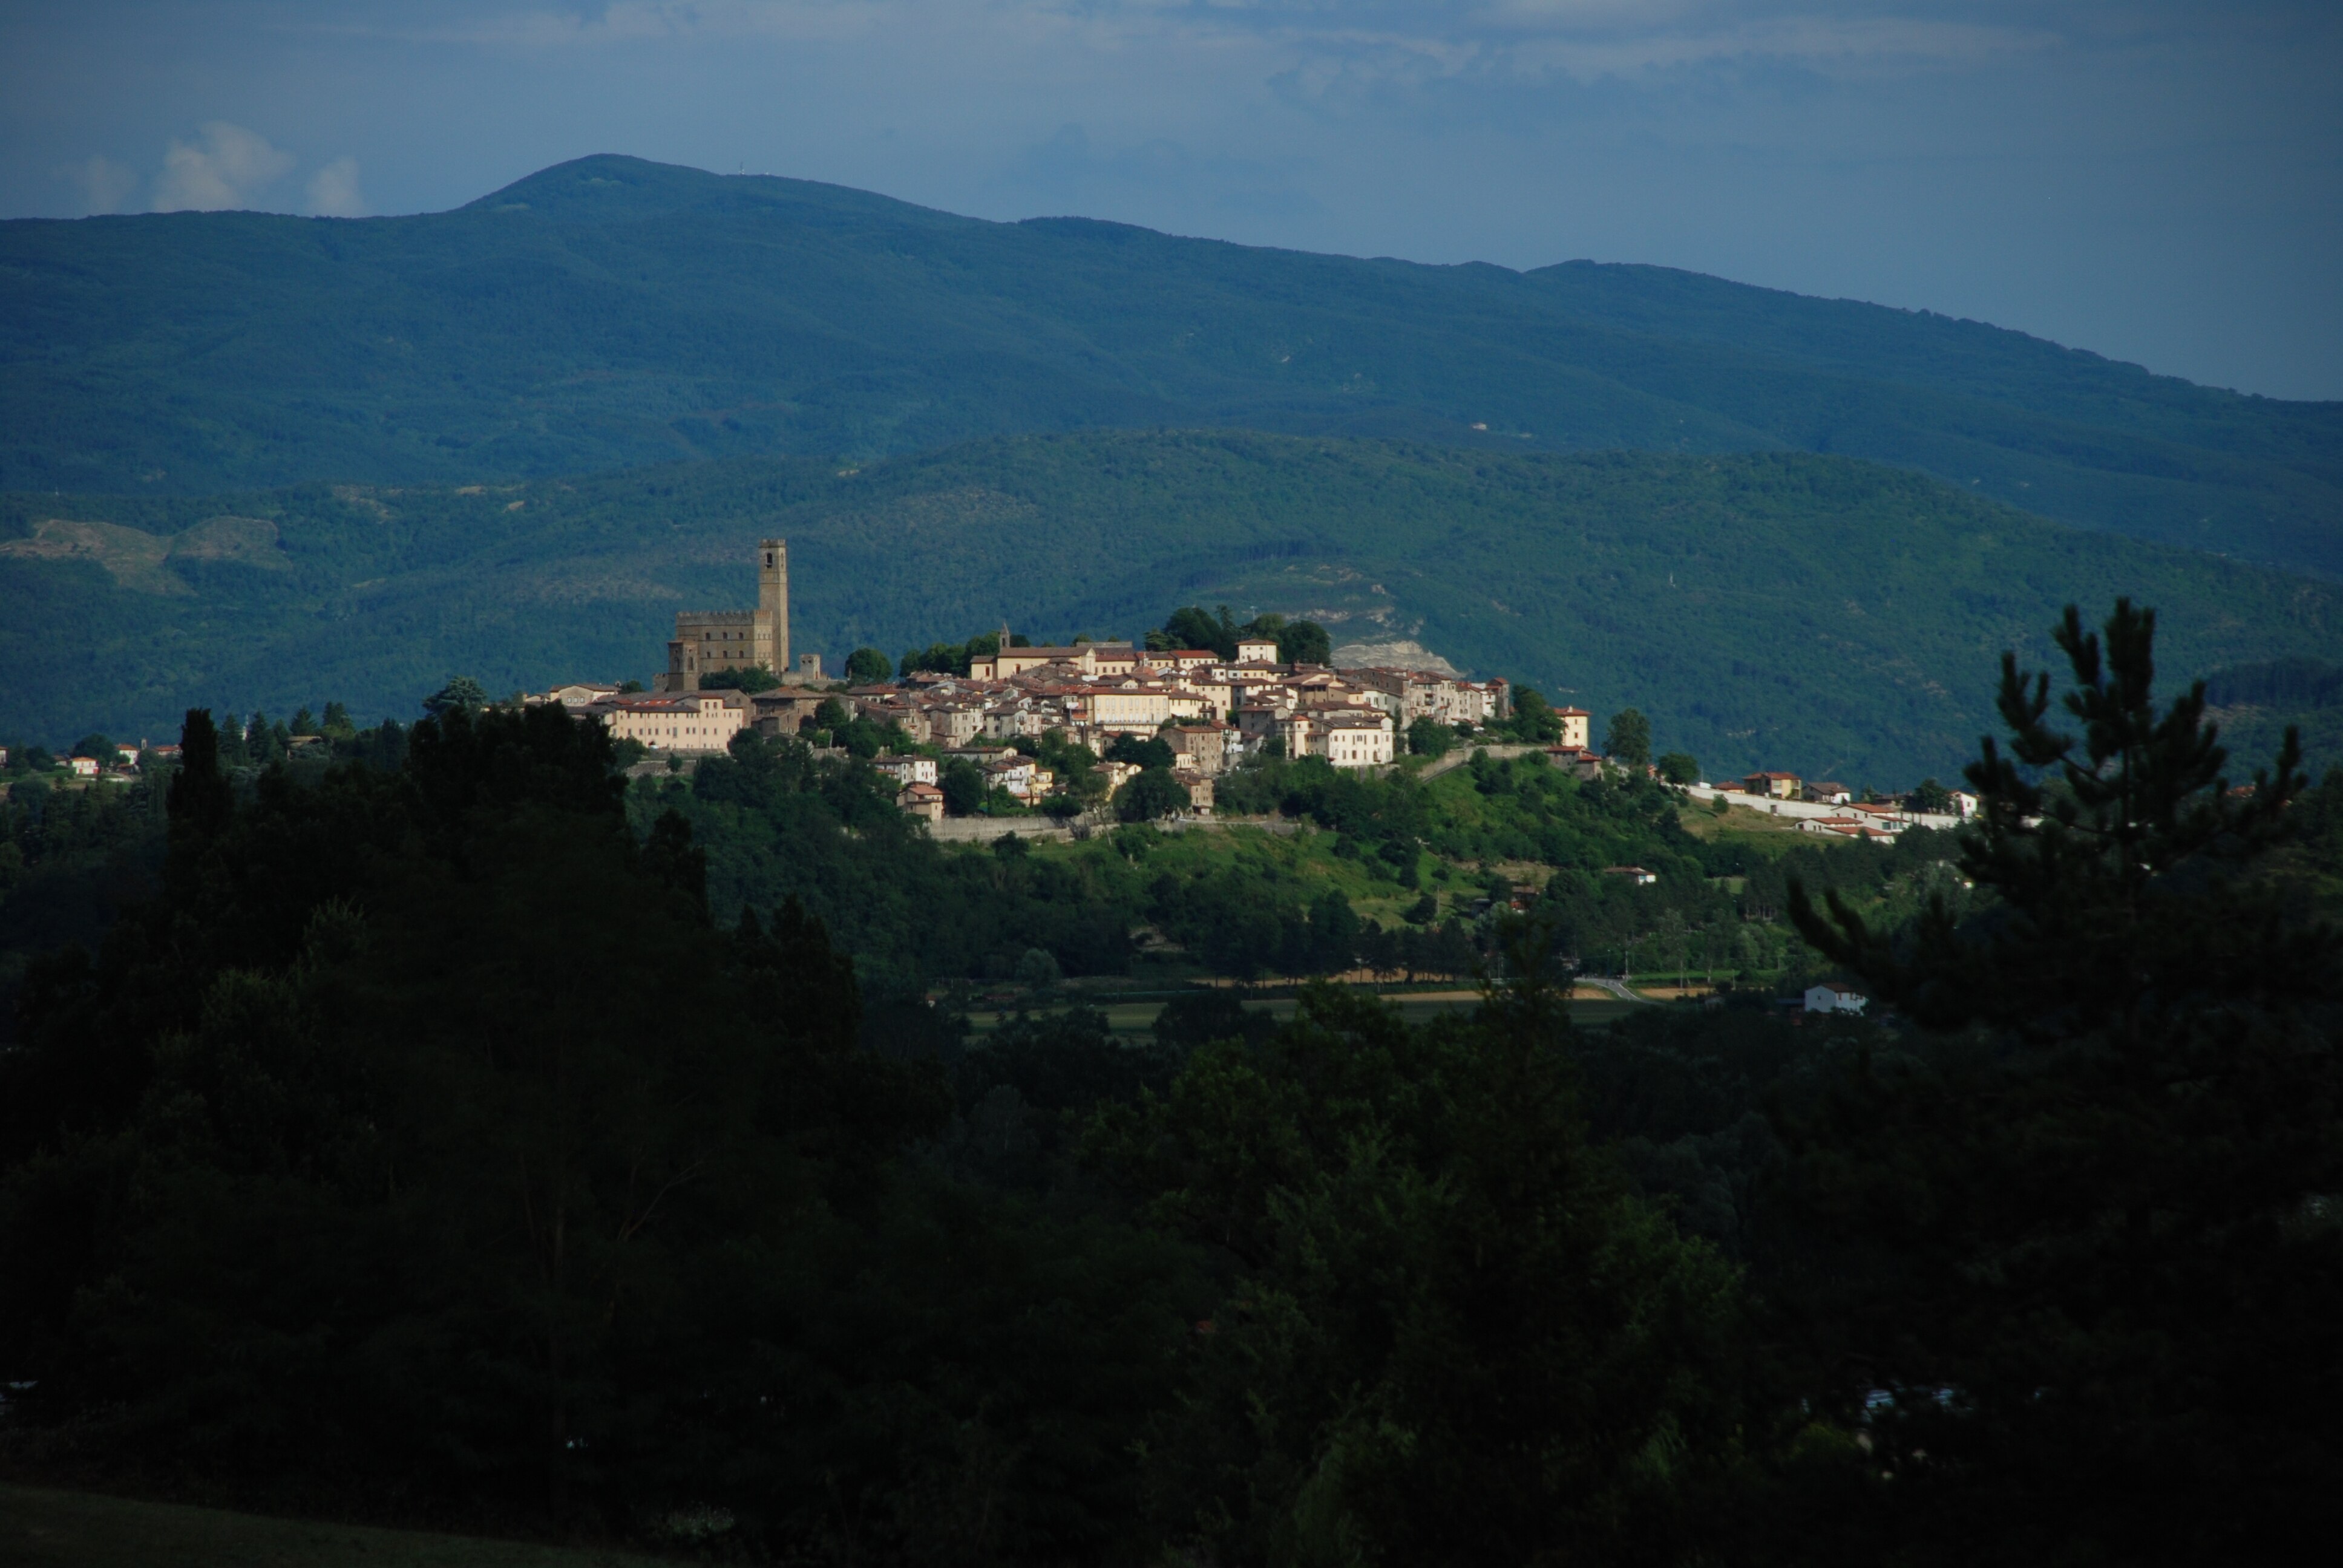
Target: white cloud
x,y
334,191
105,186
227,168
1840,47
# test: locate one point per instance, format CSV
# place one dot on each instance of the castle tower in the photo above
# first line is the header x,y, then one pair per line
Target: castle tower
x,y
772,625
710,640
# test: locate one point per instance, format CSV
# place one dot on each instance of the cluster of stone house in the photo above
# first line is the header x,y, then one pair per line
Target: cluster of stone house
x,y
1213,711
123,765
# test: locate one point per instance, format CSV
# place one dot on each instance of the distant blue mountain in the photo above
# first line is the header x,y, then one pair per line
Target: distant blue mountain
x,y
611,312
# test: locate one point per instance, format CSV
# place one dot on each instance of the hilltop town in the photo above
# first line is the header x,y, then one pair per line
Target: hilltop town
x,y
1095,702
1067,727
1139,729
999,726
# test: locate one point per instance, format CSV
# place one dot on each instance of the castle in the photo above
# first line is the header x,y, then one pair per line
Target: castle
x,y
708,640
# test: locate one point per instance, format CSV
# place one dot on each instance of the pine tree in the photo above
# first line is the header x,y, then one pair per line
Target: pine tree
x,y
2083,1236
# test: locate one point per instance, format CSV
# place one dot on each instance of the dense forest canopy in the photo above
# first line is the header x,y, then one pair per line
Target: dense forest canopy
x,y
453,1132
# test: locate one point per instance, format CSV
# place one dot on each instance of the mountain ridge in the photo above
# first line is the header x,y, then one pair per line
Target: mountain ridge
x,y
610,312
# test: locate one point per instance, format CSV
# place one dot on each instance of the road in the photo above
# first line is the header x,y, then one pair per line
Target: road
x,y
1617,988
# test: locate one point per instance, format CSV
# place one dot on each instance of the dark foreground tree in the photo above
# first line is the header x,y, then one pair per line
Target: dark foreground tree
x,y
460,692
2085,1242
1455,1338
423,1148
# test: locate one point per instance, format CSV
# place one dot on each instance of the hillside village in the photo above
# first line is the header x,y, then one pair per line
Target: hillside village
x,y
1067,729
1211,713
1017,707
1210,708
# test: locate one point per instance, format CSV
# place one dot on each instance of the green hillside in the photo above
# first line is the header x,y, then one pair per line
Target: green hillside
x,y
2254,703
1817,613
611,312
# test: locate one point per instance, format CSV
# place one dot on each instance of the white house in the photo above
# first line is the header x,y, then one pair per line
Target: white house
x,y
1020,777
1355,738
1834,998
906,772
1141,711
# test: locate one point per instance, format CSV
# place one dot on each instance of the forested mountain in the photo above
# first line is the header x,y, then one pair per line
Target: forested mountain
x,y
611,312
2254,703
1780,610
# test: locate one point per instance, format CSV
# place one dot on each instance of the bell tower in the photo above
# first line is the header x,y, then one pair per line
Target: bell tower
x,y
771,640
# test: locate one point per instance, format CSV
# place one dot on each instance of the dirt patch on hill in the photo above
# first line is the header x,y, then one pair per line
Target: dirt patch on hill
x,y
133,558
139,560
1397,654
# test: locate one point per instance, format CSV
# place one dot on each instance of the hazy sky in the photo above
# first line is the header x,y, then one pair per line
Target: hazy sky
x,y
2159,182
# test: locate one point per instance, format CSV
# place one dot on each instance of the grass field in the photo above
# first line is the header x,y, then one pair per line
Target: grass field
x,y
41,1528
1743,825
1137,1016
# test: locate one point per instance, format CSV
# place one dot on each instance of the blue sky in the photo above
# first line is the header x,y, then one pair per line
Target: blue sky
x,y
2160,182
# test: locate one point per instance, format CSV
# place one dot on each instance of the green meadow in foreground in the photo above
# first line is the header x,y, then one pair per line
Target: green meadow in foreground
x,y
41,1527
